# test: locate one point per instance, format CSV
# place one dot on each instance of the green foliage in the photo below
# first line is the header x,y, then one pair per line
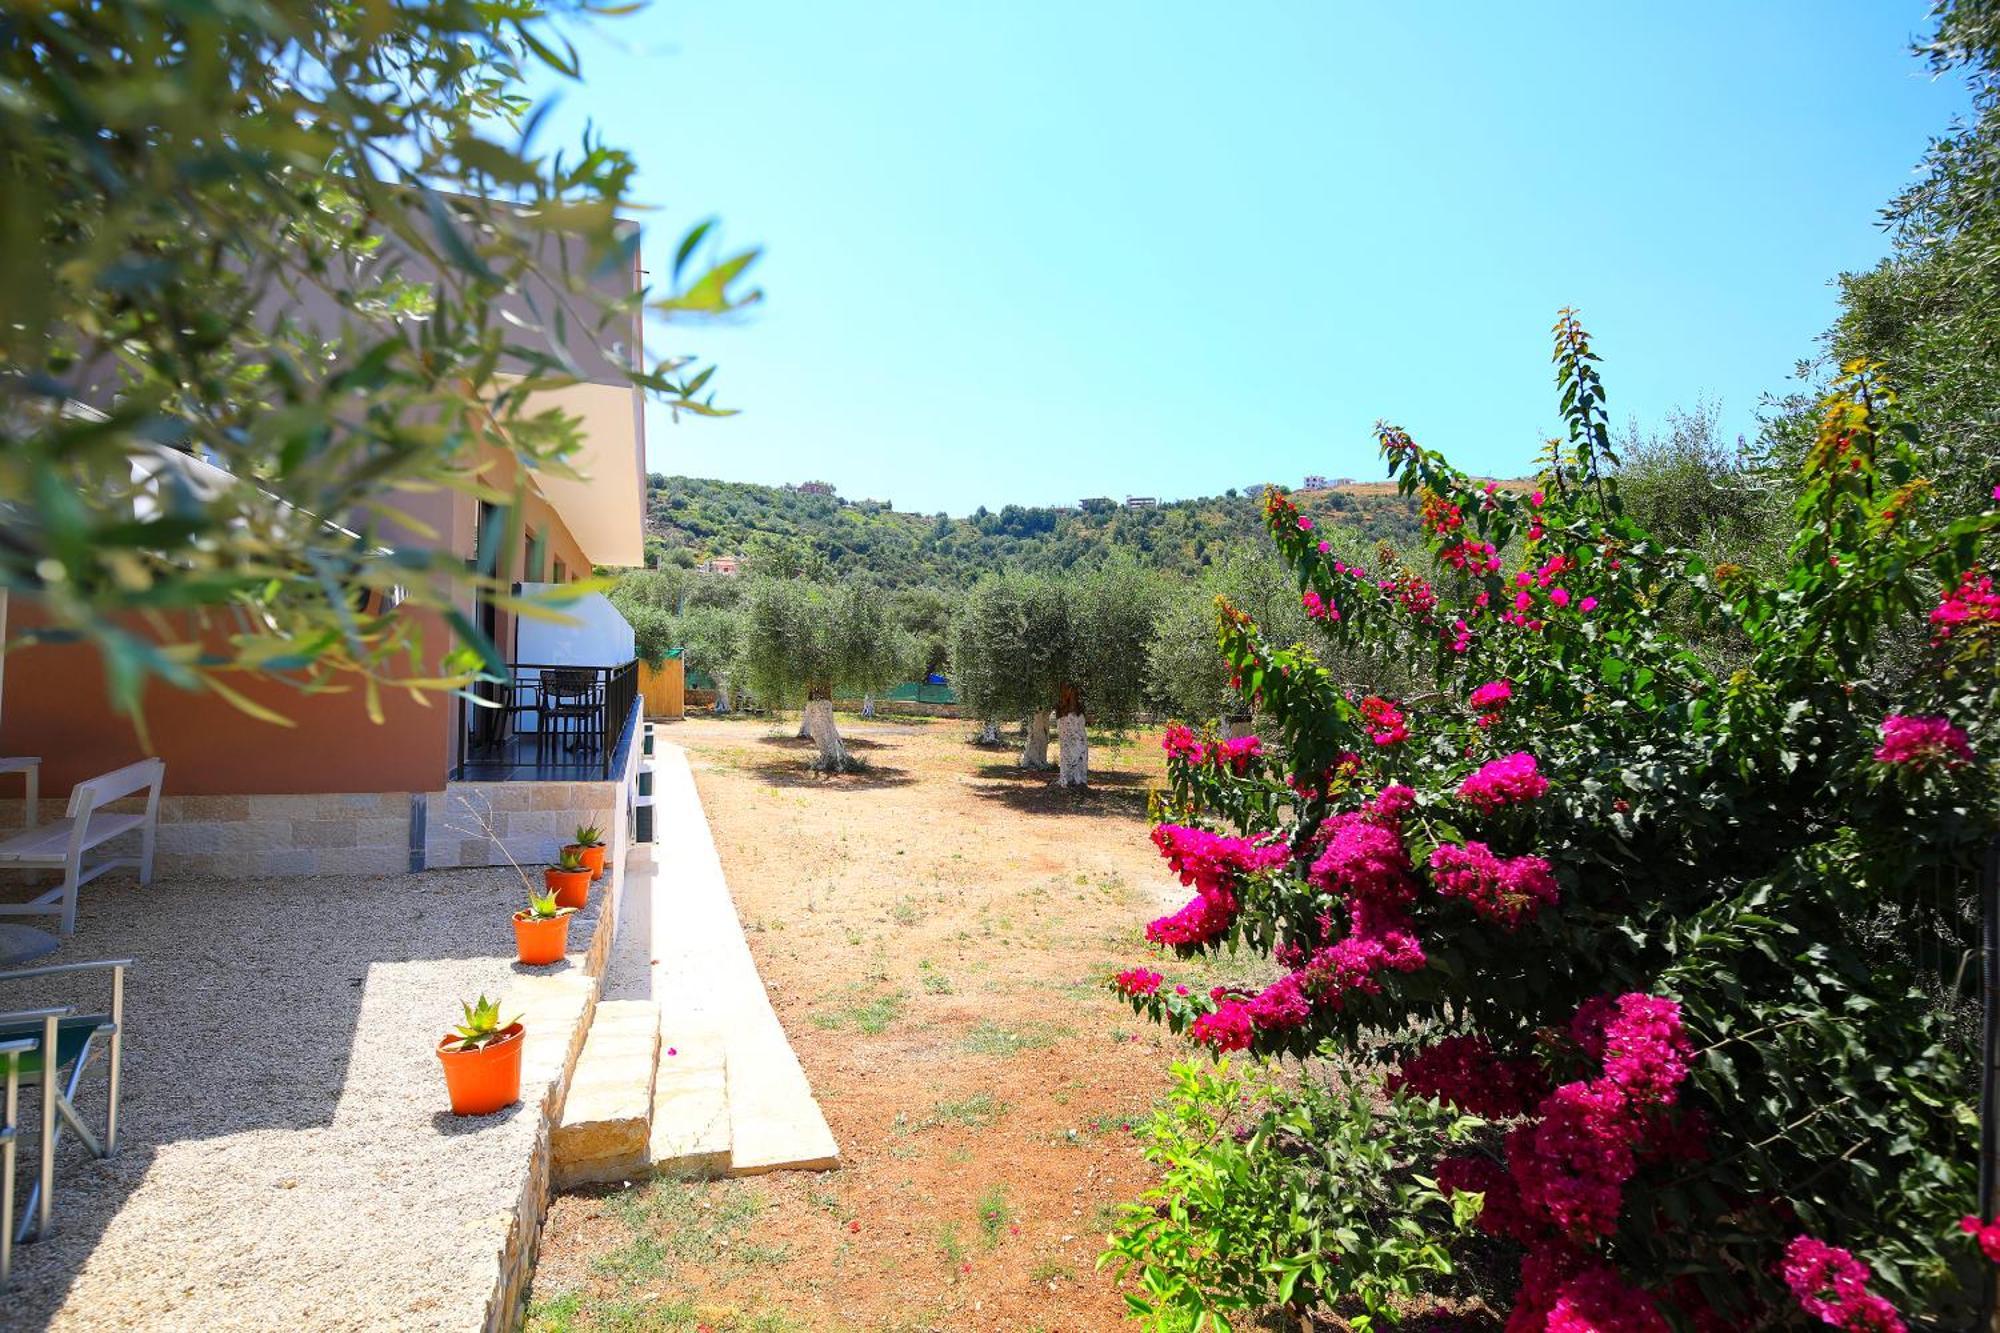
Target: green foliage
x,y
482,1025
807,641
271,238
569,860
1023,642
542,905
1297,1197
899,550
588,835
1726,838
1930,312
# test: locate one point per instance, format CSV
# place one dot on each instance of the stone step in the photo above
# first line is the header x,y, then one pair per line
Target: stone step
x,y
691,1103
607,1119
775,1123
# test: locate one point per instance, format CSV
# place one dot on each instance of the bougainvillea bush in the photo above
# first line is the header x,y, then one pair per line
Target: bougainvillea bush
x,y
1687,944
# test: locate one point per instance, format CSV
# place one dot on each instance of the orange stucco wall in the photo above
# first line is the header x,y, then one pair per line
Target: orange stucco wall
x,y
55,706
53,702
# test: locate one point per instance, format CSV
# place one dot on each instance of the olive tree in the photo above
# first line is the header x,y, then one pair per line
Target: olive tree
x,y
1073,645
262,266
1185,675
806,641
713,639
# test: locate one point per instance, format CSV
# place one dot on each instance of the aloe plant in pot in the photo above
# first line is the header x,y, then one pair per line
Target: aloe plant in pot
x,y
482,1060
541,930
569,879
589,845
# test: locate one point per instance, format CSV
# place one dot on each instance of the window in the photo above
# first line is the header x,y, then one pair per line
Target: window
x,y
531,559
562,572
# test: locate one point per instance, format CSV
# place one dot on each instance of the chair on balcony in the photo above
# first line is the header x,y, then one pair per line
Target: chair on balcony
x,y
61,843
61,1046
572,708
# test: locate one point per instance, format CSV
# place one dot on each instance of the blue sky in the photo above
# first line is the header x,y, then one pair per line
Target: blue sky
x,y
1029,252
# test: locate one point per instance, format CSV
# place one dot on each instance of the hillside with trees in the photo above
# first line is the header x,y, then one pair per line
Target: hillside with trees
x,y
690,519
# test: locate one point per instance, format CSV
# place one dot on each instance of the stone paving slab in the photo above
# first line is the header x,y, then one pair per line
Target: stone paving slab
x,y
607,1118
714,1009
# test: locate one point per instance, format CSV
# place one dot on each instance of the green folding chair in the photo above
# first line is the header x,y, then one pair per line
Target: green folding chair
x,y
11,1052
64,1044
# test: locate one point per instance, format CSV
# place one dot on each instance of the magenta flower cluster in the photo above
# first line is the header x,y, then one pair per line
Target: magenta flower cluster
x,y
1986,1233
1971,607
1137,981
1503,782
1214,864
1562,1188
1505,890
1832,1285
1918,743
1384,721
1234,754
1465,1073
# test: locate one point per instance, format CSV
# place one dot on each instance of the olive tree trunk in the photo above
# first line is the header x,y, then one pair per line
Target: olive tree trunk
x,y
1235,728
868,704
1035,740
989,733
817,722
721,696
1072,740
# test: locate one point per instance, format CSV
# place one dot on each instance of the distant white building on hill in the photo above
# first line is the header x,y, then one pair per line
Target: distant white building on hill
x,y
1142,502
1313,482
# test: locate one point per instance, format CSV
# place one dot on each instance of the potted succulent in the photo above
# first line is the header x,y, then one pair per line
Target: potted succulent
x,y
589,845
568,879
482,1060
541,930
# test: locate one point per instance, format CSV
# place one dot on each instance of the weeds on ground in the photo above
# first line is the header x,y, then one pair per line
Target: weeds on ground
x,y
981,1110
991,1039
995,1215
869,1017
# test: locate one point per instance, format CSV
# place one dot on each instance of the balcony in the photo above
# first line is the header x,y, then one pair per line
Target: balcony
x,y
564,710
548,722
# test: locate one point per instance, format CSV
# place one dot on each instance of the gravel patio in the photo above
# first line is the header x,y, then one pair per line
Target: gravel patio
x,y
285,1158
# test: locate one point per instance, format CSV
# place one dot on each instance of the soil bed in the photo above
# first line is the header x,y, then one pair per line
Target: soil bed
x,y
934,931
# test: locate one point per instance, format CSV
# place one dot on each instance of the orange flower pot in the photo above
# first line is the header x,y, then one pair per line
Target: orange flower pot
x,y
482,1081
591,856
571,887
541,940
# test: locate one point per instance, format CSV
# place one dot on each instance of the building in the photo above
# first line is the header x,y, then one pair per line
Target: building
x,y
1313,482
813,488
337,793
1141,502
722,564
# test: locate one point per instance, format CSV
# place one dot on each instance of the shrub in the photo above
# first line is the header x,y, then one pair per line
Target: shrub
x,y
1669,932
1271,1196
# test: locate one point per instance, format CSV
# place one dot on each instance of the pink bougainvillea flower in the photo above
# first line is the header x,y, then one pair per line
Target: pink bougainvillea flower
x,y
1384,720
1503,782
1986,1233
1920,742
1969,608
1587,605
1492,696
1137,981
1465,1073
1830,1284
1507,890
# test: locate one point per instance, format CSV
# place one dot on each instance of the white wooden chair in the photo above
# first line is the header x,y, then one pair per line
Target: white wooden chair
x,y
61,843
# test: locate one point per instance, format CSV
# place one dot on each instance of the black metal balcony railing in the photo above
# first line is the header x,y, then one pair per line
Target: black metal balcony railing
x,y
547,722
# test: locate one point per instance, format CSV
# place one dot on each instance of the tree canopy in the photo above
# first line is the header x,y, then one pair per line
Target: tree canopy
x,y
178,439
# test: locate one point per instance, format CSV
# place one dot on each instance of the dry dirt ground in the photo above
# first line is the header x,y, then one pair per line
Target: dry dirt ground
x,y
934,933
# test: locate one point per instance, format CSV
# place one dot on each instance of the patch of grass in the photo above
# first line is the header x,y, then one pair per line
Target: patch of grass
x,y
869,1017
995,1215
576,1312
950,1245
979,1111
934,981
906,912
1105,1216
1051,1270
992,1039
